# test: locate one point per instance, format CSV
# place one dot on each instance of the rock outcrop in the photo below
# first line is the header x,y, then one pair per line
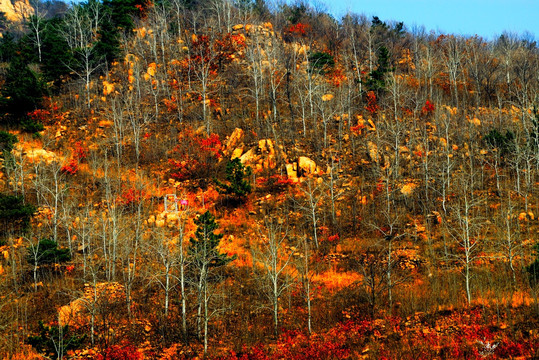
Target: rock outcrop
x,y
266,155
16,11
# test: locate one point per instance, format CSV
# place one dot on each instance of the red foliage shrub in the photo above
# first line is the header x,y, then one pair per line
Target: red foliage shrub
x,y
39,115
125,351
195,155
428,108
334,238
275,182
131,197
298,346
299,29
71,168
80,152
510,350
372,105
357,129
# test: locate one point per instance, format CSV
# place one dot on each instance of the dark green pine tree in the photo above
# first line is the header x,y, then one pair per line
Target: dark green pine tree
x,y
7,141
122,12
203,248
108,45
376,81
533,268
47,252
8,47
56,55
15,215
22,91
204,257
54,341
236,175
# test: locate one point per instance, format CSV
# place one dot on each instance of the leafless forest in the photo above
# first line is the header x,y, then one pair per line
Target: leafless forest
x,y
233,179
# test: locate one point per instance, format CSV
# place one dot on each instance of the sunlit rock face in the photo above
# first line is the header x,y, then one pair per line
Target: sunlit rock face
x,y
16,11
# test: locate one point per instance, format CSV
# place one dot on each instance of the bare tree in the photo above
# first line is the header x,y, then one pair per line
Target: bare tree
x,y
204,257
51,190
36,24
464,227
274,256
80,30
310,198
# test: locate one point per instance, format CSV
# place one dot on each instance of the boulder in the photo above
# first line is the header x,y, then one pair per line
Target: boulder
x,y
237,27
264,155
249,157
265,146
306,165
291,172
16,11
236,153
234,140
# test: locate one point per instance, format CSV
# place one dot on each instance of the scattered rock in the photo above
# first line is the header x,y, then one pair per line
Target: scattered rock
x,y
306,166
265,30
249,157
263,156
291,172
237,27
41,155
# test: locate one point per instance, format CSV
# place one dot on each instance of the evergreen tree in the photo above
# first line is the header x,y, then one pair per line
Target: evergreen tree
x,y
203,248
47,252
108,45
8,47
54,341
321,63
22,91
15,215
56,55
377,78
7,141
204,257
533,268
122,12
236,174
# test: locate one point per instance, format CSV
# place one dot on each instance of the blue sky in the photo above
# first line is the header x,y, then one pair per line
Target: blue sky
x,y
487,18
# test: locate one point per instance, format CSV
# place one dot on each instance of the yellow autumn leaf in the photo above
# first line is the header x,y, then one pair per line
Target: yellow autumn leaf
x,y
141,32
327,97
151,69
107,87
443,142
